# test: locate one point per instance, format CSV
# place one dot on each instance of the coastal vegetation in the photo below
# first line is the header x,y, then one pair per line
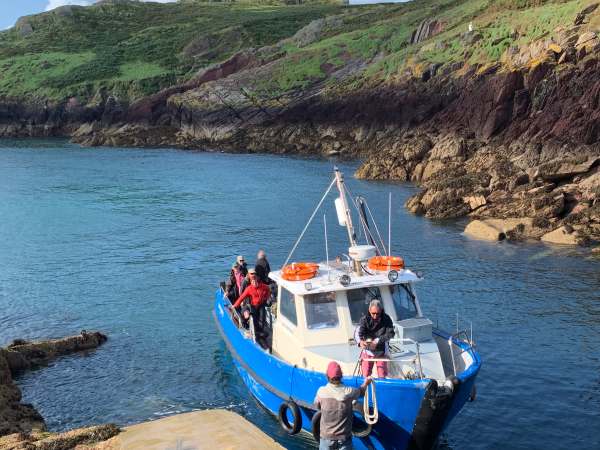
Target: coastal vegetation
x,y
492,107
135,48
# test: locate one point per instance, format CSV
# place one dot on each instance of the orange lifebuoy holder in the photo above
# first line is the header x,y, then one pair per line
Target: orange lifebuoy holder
x,y
299,271
386,263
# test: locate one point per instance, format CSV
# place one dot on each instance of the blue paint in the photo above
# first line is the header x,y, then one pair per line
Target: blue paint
x,y
273,381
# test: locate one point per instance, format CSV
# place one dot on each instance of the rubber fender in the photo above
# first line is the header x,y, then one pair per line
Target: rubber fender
x,y
473,394
296,425
316,426
360,428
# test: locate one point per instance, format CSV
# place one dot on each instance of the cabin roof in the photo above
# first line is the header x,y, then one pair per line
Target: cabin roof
x,y
328,277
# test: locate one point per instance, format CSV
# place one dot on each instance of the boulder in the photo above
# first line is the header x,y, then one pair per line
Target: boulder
x,y
448,147
475,201
495,229
432,168
427,29
587,41
563,235
563,170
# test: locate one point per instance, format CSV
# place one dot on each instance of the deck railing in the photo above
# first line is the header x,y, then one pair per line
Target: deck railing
x,y
395,348
460,336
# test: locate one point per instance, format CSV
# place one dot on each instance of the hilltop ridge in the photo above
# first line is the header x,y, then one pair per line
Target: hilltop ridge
x,y
492,107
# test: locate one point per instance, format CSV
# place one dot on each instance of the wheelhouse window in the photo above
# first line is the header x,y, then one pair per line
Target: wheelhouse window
x,y
403,302
321,311
358,301
287,306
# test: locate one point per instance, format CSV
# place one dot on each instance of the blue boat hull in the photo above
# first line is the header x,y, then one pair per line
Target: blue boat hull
x,y
411,413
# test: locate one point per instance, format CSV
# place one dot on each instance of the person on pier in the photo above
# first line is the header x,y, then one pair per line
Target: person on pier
x,y
375,330
335,402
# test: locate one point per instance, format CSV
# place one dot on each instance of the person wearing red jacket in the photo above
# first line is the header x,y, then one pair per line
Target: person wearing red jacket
x,y
259,293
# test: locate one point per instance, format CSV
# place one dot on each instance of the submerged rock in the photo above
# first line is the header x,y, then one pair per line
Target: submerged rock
x,y
563,235
17,417
497,229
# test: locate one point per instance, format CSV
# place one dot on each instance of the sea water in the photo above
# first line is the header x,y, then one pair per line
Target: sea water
x,y
133,242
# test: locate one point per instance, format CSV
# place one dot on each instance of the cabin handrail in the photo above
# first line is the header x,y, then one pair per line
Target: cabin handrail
x,y
418,355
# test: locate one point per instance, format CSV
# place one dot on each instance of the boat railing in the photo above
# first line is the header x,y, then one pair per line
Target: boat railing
x,y
396,348
461,336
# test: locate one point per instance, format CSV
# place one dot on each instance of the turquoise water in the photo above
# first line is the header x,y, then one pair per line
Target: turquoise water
x,y
133,242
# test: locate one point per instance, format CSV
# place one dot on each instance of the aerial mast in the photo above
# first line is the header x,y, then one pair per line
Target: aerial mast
x,y
339,178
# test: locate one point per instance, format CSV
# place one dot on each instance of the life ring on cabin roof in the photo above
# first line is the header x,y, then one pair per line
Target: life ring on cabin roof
x,y
386,263
299,271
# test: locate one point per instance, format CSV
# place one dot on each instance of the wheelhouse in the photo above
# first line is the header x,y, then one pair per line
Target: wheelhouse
x,y
317,320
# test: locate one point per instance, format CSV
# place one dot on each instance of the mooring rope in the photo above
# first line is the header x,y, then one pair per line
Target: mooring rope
x,y
370,417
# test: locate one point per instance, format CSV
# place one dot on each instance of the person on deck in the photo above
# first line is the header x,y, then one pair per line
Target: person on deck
x,y
262,267
258,293
234,283
375,330
246,280
335,402
241,262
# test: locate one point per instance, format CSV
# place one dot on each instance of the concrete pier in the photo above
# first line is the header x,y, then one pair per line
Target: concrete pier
x,y
212,429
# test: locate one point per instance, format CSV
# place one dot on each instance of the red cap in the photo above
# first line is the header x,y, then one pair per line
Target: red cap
x,y
334,370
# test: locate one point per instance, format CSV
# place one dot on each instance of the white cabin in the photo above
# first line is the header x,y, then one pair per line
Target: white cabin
x,y
316,321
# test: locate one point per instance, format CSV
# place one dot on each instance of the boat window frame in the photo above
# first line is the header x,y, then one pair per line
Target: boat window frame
x,y
306,301
368,288
409,296
294,323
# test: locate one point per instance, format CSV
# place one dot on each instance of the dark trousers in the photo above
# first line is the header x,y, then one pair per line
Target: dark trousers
x,y
259,317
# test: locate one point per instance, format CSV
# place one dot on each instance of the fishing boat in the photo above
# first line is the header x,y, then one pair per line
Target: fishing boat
x,y
431,372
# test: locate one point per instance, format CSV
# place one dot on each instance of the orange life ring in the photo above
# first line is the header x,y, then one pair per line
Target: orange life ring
x,y
299,271
386,263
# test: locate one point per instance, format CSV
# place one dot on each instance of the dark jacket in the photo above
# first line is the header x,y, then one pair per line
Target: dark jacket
x,y
383,330
243,268
262,270
231,288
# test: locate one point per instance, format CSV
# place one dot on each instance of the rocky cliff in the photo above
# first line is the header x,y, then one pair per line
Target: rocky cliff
x,y
493,109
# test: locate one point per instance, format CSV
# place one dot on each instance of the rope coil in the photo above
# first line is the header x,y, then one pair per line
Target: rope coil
x,y
371,418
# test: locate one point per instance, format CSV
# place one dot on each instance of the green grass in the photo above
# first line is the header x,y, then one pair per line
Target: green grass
x,y
135,49
21,75
140,70
138,41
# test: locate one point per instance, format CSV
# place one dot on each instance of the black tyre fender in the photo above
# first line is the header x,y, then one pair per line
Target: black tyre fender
x,y
290,428
316,426
360,428
473,394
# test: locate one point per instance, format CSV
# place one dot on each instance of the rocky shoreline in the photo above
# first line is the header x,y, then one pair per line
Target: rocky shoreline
x,y
516,141
21,426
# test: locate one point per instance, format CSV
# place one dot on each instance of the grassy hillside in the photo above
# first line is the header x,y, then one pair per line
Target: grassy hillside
x,y
134,49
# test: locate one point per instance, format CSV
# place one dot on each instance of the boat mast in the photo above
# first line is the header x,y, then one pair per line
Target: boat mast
x,y
339,178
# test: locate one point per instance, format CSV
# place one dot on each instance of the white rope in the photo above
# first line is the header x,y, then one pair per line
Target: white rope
x,y
309,221
371,418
